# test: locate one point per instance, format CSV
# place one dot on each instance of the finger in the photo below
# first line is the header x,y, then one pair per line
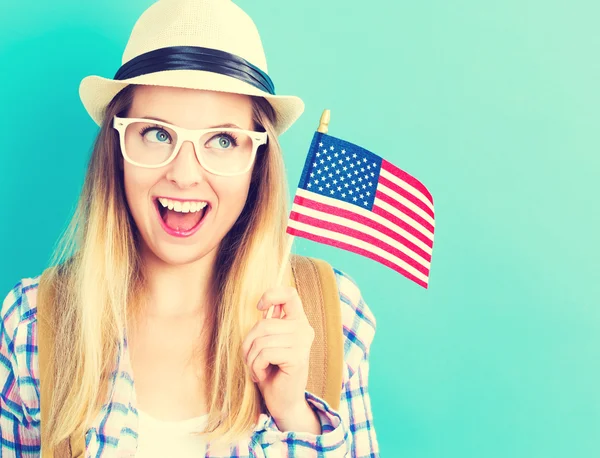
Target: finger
x,y
273,341
271,356
266,327
288,297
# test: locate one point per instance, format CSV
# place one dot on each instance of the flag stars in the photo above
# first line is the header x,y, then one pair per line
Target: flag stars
x,y
350,192
336,155
352,165
318,154
331,147
342,178
345,168
326,168
330,175
322,161
325,151
319,171
367,193
356,172
372,174
354,198
328,158
359,179
349,175
345,185
343,194
362,196
354,155
320,144
343,151
339,188
366,204
314,164
331,192
364,159
309,185
353,182
337,171
362,169
364,186
334,181
368,167
316,181
321,188
312,174
327,185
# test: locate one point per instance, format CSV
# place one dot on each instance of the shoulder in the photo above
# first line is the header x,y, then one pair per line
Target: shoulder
x,y
19,305
358,321
18,352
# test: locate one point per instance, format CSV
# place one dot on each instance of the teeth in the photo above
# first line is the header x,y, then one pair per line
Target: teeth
x,y
182,207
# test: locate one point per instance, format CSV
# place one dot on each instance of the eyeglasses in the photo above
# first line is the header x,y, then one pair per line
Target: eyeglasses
x,y
221,151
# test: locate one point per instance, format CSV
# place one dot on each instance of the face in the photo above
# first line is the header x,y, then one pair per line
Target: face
x,y
184,179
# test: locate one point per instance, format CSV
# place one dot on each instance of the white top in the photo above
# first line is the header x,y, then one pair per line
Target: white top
x,y
159,438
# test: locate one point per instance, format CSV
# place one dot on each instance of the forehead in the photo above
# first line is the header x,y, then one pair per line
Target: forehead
x,y
191,108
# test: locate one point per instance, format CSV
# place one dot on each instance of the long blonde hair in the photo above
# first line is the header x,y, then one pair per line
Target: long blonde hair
x,y
99,282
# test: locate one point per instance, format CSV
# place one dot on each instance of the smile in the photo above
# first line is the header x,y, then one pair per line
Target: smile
x,y
181,218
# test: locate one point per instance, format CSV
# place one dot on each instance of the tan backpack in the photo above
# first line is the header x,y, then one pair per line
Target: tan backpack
x,y
316,284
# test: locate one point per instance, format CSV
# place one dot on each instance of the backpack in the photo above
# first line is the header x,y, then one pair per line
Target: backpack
x,y
316,284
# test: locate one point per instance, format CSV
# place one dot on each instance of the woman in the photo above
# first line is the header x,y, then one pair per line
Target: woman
x,y
167,269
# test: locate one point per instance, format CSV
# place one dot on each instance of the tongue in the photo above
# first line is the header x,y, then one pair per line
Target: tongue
x,y
182,221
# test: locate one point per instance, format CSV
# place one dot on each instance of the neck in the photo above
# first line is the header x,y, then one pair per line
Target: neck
x,y
178,291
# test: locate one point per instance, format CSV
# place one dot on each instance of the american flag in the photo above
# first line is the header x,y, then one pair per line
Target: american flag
x,y
353,199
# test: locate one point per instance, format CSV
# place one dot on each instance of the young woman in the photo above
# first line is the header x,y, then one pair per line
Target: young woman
x,y
166,273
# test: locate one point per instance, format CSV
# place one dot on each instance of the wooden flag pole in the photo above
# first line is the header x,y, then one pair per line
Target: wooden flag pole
x,y
323,128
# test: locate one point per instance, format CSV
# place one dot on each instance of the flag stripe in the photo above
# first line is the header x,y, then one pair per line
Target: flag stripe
x,y
344,218
301,232
417,204
394,170
401,211
382,220
359,236
359,244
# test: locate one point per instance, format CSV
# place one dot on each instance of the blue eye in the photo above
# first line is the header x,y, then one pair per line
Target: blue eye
x,y
156,135
223,141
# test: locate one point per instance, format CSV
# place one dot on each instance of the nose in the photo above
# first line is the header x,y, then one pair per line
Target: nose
x,y
185,171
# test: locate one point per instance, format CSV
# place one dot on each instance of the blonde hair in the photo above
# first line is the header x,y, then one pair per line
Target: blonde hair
x,y
99,283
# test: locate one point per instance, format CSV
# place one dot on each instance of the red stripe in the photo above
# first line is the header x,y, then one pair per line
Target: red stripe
x,y
404,209
394,170
358,235
406,194
362,252
337,211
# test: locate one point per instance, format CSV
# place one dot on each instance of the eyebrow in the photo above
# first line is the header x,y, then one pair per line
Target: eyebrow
x,y
151,118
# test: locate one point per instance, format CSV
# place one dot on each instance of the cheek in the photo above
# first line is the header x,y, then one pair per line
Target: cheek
x,y
137,184
232,195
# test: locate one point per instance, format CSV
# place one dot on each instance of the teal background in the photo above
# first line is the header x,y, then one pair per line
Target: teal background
x,y
493,105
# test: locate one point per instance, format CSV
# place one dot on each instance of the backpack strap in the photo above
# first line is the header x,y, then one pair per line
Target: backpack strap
x,y
70,447
317,286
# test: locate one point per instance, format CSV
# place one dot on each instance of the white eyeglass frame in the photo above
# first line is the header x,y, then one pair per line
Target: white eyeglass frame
x,y
192,135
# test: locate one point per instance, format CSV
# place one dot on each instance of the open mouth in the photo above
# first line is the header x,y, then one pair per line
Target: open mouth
x,y
179,222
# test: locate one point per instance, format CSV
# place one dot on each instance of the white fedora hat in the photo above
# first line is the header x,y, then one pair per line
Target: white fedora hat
x,y
197,44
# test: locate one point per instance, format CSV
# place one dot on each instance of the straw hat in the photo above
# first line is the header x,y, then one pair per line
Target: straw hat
x,y
198,44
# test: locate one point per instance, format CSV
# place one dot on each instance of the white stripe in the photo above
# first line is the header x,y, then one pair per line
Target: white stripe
x,y
358,243
403,200
408,187
323,216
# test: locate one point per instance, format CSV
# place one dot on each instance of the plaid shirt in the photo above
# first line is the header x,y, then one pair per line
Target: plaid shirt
x,y
346,432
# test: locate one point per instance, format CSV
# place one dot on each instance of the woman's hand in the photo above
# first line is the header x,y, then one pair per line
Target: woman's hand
x,y
277,351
